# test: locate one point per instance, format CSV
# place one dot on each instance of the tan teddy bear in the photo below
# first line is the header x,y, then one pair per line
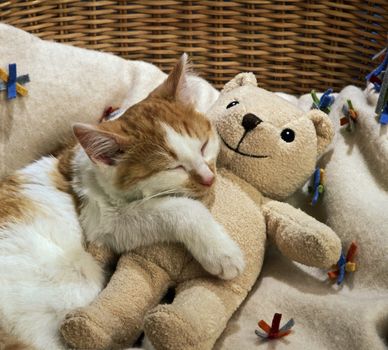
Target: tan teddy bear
x,y
269,149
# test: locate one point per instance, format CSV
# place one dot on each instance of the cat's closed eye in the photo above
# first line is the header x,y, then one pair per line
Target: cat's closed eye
x,y
203,148
178,167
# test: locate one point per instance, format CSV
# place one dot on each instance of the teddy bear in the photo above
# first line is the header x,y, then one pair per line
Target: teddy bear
x,y
354,205
269,148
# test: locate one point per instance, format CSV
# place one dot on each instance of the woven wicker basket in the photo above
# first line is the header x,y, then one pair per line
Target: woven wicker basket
x,y
291,45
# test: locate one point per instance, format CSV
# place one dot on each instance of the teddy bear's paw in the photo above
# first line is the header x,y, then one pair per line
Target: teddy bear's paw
x,y
224,260
80,332
166,329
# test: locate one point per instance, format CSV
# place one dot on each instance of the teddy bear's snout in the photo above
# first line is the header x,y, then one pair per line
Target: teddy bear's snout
x,y
250,121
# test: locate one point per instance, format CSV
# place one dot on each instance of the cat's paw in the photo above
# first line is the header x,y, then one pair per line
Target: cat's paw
x,y
224,259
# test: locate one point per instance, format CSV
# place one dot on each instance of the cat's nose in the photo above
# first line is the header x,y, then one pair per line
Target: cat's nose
x,y
208,180
205,175
250,121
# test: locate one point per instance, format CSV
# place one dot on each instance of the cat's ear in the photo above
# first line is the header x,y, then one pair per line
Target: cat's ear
x,y
100,145
175,87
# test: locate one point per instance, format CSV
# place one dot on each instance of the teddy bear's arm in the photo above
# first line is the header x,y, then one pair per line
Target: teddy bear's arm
x,y
299,236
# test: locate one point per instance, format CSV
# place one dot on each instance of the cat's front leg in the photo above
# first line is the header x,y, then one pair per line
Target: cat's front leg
x,y
218,254
184,220
204,237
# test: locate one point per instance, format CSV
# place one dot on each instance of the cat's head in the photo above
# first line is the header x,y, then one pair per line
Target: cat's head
x,y
159,145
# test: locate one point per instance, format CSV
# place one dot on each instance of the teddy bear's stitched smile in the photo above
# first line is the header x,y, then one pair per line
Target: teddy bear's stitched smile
x,y
236,150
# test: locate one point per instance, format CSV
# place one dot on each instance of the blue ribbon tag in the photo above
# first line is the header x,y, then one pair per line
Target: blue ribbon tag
x,y
11,84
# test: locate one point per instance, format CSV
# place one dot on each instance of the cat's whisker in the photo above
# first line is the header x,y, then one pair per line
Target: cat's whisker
x,y
162,193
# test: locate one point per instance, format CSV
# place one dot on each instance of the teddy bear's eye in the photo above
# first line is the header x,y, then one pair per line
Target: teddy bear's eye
x,y
232,104
288,135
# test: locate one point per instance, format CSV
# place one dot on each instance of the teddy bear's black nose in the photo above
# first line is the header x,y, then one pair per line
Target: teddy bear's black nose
x,y
250,121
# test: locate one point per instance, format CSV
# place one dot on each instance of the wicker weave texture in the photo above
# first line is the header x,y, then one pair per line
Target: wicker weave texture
x,y
291,45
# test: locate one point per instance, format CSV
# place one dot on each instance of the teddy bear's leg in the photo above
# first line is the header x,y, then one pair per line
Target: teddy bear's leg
x,y
115,318
197,316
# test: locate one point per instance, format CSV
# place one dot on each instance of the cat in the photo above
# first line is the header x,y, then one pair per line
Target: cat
x,y
127,182
8,342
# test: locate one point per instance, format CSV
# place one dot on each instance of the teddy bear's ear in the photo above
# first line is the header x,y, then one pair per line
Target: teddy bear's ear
x,y
323,128
240,80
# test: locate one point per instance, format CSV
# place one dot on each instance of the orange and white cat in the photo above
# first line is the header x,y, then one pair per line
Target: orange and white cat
x,y
128,182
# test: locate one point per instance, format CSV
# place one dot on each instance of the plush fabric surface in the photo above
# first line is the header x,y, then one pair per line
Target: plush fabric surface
x,y
355,204
68,84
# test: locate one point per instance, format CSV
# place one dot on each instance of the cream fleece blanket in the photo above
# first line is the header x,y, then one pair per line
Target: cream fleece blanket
x,y
355,205
70,84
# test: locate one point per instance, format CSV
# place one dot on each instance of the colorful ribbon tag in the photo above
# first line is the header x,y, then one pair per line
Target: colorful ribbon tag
x,y
111,113
382,102
324,102
344,264
350,116
380,55
12,83
383,119
376,76
317,187
273,331
23,79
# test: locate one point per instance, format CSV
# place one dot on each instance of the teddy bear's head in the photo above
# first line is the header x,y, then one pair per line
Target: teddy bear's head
x,y
266,140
